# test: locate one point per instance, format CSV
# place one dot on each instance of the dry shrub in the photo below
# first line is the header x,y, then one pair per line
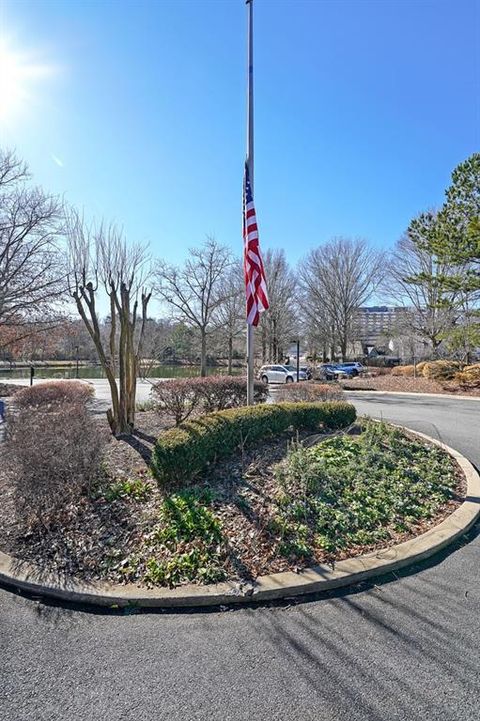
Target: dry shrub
x,y
180,397
52,456
469,376
176,398
310,392
442,370
217,393
54,392
379,371
9,389
404,371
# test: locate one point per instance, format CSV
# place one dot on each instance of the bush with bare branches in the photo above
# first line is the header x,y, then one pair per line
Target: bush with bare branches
x,y
310,392
53,455
176,398
217,393
180,397
54,392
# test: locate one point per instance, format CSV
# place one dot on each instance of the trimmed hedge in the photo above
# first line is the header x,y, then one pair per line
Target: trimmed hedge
x,y
181,453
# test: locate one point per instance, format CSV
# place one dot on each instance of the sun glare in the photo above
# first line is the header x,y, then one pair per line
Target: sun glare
x,y
18,79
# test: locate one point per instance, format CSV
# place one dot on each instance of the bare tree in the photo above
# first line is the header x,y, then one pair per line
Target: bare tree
x,y
416,280
193,291
101,261
278,324
32,277
229,316
337,278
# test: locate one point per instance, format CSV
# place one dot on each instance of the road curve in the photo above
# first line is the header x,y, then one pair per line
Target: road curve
x,y
406,648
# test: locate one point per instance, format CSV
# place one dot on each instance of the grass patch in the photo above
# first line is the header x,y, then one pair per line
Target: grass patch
x,y
352,491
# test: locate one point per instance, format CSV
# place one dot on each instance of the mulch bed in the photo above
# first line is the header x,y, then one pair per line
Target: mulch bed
x,y
407,385
95,531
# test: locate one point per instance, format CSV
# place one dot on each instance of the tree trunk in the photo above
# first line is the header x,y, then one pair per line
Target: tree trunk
x,y
264,344
230,354
275,341
203,356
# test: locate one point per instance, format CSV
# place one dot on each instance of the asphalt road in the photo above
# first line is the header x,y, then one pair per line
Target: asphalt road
x,y
407,648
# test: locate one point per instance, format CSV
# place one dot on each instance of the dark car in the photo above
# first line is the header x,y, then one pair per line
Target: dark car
x,y
331,372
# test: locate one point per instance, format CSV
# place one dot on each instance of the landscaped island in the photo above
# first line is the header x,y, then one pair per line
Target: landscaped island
x,y
231,494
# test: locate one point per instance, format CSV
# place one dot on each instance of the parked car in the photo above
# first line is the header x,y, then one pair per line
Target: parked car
x,y
280,374
352,369
331,372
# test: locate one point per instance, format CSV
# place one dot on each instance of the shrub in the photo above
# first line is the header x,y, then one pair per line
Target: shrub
x,y
176,397
310,392
53,456
180,397
405,371
9,389
441,369
379,371
469,376
217,393
54,392
408,371
181,453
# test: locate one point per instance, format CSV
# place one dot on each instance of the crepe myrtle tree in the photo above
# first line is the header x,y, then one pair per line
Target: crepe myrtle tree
x,y
102,263
193,291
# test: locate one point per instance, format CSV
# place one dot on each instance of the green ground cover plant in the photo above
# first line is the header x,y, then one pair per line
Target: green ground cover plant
x,y
189,541
127,488
351,491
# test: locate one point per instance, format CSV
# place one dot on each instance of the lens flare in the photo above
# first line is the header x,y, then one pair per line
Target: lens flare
x,y
19,77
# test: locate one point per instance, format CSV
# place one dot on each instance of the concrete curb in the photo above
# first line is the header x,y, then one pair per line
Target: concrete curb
x,y
406,393
26,577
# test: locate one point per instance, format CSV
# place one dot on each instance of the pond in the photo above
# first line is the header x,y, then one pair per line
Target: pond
x,y
93,371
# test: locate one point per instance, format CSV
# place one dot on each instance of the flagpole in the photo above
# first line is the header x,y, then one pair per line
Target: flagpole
x,y
250,170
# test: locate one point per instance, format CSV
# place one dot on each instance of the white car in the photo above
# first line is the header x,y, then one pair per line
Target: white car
x,y
280,374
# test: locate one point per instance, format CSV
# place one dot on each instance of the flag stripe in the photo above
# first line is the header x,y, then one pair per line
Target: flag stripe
x,y
255,283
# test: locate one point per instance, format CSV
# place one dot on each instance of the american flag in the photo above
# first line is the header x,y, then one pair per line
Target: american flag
x,y
255,285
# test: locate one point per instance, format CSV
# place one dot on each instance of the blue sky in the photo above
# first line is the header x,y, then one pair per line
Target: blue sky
x,y
363,109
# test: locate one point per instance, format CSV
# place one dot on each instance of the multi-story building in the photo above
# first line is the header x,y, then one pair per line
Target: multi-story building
x,y
375,324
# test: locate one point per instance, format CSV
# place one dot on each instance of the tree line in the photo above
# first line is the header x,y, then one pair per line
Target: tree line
x,y
55,264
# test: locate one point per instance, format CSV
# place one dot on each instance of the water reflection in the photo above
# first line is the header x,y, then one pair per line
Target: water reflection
x,y
91,371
